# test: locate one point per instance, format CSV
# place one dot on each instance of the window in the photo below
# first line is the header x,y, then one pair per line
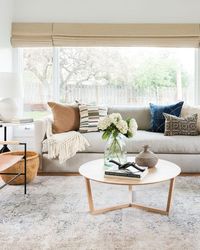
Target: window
x,y
37,79
108,75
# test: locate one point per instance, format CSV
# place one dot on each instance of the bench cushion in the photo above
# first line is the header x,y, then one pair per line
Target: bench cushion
x,y
157,141
140,114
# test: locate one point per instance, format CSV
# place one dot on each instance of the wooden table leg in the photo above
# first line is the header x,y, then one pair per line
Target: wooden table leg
x,y
101,210
157,210
89,195
130,204
170,195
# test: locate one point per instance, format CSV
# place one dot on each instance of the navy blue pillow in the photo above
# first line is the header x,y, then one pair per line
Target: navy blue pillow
x,y
157,117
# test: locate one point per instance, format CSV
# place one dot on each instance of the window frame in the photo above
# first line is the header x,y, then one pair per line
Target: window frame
x,y
197,77
18,67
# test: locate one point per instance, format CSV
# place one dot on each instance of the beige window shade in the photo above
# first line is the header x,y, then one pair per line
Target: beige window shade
x,y
163,35
126,42
61,34
32,35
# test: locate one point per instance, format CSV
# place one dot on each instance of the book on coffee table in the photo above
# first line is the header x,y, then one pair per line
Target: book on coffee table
x,y
127,173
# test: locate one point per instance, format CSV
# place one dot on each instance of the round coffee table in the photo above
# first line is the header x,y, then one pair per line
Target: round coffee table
x,y
164,171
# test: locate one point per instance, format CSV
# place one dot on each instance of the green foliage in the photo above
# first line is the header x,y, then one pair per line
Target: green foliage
x,y
159,72
111,130
36,115
106,134
129,134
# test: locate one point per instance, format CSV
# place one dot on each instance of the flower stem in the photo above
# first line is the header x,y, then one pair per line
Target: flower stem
x,y
113,148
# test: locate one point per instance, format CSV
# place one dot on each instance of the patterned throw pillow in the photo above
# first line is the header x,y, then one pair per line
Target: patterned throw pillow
x,y
180,125
89,117
189,110
157,118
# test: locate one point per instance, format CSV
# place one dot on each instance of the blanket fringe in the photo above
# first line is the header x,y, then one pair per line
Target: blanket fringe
x,y
65,145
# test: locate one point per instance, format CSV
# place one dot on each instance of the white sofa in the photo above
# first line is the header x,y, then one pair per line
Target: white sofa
x,y
182,150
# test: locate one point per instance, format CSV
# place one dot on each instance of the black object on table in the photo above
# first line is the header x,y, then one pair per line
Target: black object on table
x,y
16,175
5,148
126,165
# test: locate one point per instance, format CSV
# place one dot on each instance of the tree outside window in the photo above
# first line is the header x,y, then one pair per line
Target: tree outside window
x,y
109,76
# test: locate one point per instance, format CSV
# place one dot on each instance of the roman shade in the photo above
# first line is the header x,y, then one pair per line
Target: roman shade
x,y
31,35
76,34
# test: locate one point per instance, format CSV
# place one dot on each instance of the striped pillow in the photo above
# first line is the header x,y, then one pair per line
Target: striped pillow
x,y
89,117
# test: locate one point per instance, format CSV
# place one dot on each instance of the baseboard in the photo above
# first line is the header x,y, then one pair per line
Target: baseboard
x,y
58,174
77,174
190,174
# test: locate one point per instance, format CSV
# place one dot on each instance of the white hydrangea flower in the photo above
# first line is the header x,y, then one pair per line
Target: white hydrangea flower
x,y
133,126
115,118
122,126
118,125
104,123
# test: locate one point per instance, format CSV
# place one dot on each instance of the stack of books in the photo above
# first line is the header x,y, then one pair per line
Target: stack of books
x,y
23,120
127,173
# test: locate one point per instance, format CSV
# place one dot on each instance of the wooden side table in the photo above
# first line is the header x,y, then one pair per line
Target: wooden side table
x,y
7,161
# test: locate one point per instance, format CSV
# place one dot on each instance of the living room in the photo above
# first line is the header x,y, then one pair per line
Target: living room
x,y
100,114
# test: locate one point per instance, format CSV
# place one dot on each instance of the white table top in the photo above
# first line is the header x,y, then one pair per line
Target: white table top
x,y
12,124
164,170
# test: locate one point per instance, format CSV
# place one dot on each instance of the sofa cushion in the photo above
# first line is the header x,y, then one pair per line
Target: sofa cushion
x,y
89,117
190,110
140,114
65,117
180,125
157,141
157,117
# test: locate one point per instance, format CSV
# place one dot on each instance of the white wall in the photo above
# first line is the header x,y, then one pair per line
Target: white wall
x,y
5,28
6,15
107,11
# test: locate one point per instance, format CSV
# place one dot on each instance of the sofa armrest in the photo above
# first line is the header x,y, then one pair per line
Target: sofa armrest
x,y
40,133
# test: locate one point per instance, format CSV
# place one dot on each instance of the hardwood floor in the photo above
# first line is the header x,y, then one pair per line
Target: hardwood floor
x,y
58,174
77,174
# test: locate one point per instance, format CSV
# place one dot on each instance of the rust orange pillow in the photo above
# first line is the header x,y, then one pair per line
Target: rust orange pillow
x,y
65,117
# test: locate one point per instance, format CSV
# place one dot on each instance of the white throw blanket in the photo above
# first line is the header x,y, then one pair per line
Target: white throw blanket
x,y
63,145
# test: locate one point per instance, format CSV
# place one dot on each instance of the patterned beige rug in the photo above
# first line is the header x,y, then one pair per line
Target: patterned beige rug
x,y
54,215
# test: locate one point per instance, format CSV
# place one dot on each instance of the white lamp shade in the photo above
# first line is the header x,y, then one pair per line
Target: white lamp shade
x,y
10,85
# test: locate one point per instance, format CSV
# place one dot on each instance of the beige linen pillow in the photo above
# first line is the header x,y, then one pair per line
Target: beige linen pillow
x,y
65,117
188,110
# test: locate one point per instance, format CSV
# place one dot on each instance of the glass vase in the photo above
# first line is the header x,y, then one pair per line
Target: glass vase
x,y
115,150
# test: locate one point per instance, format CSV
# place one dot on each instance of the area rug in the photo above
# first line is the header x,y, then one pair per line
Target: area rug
x,y
54,215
